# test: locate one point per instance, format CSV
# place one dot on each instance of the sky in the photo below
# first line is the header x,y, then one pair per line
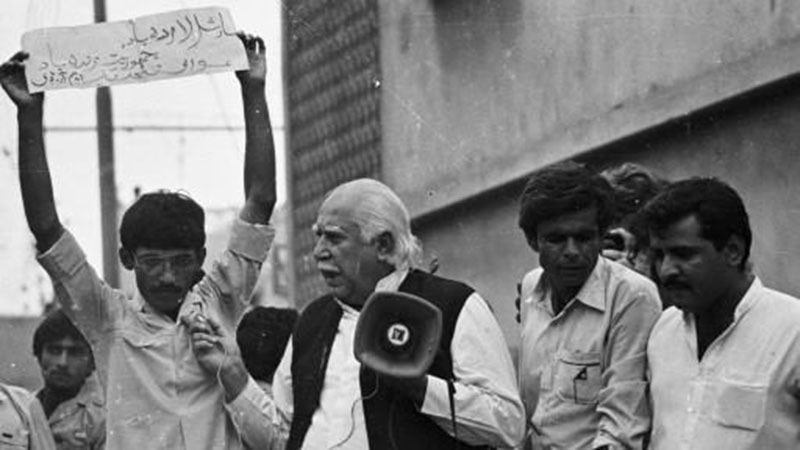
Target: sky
x,y
207,165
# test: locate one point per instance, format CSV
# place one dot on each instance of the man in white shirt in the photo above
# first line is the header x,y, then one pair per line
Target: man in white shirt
x,y
156,394
585,319
725,360
323,398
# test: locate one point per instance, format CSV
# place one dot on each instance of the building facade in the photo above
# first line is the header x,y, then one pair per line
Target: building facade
x,y
473,96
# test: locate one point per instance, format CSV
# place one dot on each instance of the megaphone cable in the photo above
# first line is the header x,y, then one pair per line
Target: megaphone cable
x,y
352,414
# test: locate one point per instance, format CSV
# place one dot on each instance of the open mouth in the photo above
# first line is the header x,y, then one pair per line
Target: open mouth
x,y
328,274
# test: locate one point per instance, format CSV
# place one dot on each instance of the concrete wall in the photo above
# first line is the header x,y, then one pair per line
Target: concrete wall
x,y
751,143
18,366
477,93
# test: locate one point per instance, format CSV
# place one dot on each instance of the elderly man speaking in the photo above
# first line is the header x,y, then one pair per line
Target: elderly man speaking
x,y
323,397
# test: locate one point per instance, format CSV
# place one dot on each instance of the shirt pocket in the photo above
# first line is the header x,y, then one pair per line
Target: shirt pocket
x,y
143,340
578,377
13,439
740,401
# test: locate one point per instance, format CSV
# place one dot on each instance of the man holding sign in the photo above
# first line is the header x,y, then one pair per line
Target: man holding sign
x,y
156,393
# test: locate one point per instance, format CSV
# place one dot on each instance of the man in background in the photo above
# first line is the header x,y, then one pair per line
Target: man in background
x,y
585,319
262,336
724,361
71,397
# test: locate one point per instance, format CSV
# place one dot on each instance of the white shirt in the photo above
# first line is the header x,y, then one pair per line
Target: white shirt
x,y
744,393
155,390
582,371
487,403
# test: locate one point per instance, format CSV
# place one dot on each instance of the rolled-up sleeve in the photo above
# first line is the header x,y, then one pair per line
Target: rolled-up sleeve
x,y
487,403
233,275
623,405
258,419
264,420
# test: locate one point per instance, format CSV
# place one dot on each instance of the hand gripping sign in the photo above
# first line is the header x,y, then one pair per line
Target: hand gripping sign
x,y
168,45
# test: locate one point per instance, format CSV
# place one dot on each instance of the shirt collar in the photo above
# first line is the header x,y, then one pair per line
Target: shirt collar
x,y
392,282
591,294
89,392
750,298
187,308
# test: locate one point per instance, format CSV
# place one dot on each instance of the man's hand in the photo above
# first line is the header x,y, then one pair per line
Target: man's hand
x,y
256,58
414,388
12,77
212,347
217,353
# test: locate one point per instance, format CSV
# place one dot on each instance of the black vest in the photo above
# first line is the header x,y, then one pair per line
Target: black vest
x,y
392,419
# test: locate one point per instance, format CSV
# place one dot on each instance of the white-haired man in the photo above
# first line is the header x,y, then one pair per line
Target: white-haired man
x,y
323,398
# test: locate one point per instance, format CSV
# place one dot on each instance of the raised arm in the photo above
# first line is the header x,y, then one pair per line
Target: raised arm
x,y
34,174
259,157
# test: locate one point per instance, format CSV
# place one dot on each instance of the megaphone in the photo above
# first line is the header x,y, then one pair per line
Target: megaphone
x,y
398,334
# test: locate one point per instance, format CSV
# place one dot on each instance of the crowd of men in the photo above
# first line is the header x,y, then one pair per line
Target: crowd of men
x,y
602,365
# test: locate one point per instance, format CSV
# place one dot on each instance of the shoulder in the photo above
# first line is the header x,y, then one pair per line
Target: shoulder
x,y
779,309
18,395
91,392
630,288
531,279
315,314
435,284
321,303
668,322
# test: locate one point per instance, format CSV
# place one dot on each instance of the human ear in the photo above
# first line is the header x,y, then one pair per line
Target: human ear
x,y
126,257
734,251
385,244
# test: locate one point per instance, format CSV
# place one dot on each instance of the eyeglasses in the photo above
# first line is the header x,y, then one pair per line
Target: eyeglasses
x,y
154,264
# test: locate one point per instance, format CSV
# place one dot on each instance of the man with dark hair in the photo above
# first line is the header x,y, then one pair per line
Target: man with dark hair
x,y
71,397
724,362
585,319
626,240
156,393
323,398
262,336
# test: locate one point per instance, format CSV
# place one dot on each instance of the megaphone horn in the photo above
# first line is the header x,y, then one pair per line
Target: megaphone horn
x,y
398,334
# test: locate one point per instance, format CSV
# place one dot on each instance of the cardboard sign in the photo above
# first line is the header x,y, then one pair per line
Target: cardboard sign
x,y
169,45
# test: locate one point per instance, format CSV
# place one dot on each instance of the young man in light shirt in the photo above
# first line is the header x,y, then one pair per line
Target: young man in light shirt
x,y
724,361
585,319
156,394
